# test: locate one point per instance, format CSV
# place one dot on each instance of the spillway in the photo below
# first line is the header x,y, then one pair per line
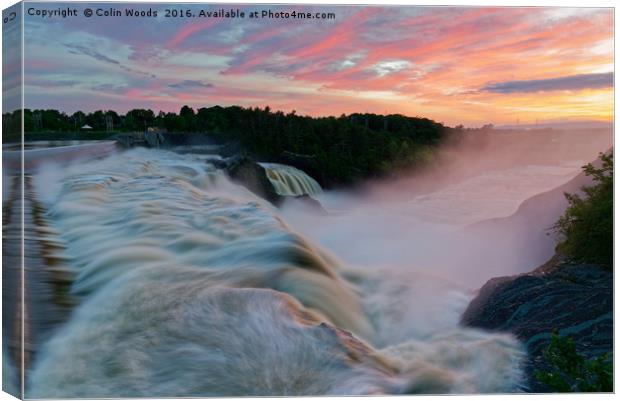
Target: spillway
x,y
291,181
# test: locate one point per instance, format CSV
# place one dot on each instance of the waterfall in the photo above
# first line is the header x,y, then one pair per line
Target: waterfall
x,y
290,181
191,286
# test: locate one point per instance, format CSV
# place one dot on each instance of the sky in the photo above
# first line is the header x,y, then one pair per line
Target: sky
x,y
468,66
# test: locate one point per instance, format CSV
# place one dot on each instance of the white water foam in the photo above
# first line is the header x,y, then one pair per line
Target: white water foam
x,y
192,286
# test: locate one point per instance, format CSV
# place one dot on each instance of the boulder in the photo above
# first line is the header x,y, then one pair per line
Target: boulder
x,y
253,176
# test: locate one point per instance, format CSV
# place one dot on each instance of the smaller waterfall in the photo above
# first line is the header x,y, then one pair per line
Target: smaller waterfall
x,y
288,180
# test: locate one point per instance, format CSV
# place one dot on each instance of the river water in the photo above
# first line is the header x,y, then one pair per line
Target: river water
x,y
187,284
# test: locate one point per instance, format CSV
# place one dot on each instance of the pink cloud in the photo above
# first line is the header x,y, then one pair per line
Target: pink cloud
x,y
441,55
190,29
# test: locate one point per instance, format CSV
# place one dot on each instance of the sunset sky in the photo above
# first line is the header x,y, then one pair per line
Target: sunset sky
x,y
454,65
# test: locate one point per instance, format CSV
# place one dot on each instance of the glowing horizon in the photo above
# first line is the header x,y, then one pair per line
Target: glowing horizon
x,y
456,65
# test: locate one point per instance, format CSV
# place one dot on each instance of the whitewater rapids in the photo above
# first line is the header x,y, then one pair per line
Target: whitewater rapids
x,y
190,285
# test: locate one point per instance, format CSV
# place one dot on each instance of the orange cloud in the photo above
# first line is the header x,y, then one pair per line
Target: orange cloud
x,y
434,62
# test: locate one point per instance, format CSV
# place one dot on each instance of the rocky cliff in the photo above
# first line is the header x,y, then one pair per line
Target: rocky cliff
x,y
574,299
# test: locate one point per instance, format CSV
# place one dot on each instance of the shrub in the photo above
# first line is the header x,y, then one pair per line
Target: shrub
x,y
586,228
569,371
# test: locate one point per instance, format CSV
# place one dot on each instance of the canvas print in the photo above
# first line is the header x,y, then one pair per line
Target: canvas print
x,y
228,200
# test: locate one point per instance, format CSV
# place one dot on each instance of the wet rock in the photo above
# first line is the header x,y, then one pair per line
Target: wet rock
x,y
574,299
253,176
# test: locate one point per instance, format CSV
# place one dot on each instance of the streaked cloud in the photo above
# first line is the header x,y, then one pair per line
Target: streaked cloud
x,y
87,51
573,82
79,49
455,65
190,84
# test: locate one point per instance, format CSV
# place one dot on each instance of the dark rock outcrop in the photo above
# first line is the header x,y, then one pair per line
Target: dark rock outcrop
x,y
574,299
253,176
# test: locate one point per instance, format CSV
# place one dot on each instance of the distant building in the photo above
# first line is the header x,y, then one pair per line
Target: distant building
x,y
86,126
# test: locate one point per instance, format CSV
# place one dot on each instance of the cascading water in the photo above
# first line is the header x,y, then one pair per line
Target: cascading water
x,y
189,285
290,181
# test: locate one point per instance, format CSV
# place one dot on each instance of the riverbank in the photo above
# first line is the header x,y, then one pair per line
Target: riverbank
x,y
563,297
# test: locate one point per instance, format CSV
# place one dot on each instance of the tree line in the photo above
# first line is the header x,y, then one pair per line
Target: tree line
x,y
343,148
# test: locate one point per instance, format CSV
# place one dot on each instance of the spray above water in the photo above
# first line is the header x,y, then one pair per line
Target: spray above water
x,y
189,285
421,222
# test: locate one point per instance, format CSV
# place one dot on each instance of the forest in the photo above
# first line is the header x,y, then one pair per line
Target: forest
x,y
336,149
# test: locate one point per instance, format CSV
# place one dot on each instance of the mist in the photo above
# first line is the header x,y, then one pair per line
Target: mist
x,y
422,222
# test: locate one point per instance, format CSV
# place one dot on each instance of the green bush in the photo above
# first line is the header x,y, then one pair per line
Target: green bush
x,y
586,228
570,372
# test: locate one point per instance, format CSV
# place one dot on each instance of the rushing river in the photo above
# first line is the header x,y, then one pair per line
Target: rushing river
x,y
189,285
